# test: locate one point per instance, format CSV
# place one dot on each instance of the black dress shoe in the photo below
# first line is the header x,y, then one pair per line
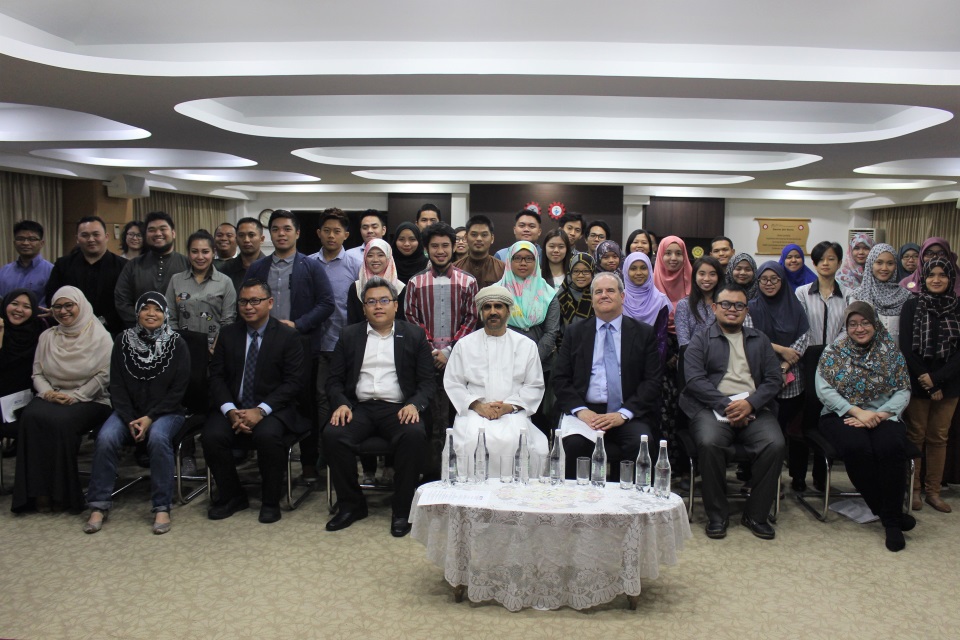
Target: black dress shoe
x,y
717,529
907,522
344,519
400,527
760,529
228,508
269,513
799,485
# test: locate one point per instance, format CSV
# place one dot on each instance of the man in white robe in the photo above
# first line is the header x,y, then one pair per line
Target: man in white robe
x,y
494,379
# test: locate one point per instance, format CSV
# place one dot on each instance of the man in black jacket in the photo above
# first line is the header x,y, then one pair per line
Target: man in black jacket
x,y
256,375
381,378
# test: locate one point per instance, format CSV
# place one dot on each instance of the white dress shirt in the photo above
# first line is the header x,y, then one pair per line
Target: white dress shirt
x,y
378,373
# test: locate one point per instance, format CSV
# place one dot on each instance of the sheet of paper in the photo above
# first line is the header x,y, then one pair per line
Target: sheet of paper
x,y
14,401
572,425
855,509
734,398
471,496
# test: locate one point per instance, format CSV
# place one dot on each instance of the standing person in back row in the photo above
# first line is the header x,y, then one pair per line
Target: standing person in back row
x,y
478,262
249,239
30,270
527,227
440,300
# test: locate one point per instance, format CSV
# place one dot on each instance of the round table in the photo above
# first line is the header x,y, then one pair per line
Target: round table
x,y
545,546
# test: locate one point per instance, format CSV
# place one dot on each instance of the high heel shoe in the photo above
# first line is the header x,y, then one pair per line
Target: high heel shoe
x,y
93,527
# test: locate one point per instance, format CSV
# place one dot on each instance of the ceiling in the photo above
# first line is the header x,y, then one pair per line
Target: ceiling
x,y
245,99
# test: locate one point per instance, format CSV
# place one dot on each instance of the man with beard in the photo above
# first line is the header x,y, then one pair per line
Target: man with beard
x,y
152,270
494,379
249,239
92,269
225,244
478,262
440,300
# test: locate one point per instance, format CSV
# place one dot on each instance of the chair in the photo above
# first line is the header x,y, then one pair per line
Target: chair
x,y
375,446
816,438
197,402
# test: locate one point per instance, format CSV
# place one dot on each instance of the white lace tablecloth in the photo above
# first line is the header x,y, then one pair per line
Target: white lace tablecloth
x,y
546,547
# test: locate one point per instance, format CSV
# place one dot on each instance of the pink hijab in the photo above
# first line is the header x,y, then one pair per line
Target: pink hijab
x,y
912,282
675,284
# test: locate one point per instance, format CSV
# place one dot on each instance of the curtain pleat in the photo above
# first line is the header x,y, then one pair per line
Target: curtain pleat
x,y
916,223
190,213
29,197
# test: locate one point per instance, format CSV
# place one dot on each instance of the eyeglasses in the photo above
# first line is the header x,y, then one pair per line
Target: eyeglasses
x,y
253,302
859,325
67,306
134,236
934,254
372,302
523,259
726,305
597,236
30,239
770,280
581,272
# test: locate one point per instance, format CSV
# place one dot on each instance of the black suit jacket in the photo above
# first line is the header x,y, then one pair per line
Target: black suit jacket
x,y
74,270
411,354
640,368
279,376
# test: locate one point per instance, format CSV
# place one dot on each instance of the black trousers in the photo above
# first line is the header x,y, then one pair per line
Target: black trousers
x,y
219,440
620,443
762,438
407,441
876,461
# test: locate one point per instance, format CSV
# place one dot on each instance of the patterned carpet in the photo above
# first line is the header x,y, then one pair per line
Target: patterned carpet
x,y
240,579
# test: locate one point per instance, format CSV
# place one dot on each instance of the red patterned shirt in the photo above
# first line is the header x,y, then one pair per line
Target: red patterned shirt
x,y
443,305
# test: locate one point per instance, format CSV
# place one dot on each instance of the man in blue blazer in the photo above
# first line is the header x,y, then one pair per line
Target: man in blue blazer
x,y
381,378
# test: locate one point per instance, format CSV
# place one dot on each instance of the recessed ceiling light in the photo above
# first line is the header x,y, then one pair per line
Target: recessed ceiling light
x,y
143,158
743,194
572,177
30,123
235,175
557,157
915,167
868,183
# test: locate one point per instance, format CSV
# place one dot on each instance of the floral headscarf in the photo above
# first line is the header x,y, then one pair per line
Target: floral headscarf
x,y
886,297
851,273
532,295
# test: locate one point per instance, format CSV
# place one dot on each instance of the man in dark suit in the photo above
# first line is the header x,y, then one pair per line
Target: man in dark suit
x,y
381,378
608,376
256,376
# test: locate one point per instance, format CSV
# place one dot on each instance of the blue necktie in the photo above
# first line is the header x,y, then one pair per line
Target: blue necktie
x,y
612,368
249,367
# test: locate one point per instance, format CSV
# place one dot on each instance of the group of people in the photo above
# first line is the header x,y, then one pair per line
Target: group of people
x,y
415,331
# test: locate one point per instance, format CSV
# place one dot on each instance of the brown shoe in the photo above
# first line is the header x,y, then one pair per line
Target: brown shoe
x,y
938,504
916,503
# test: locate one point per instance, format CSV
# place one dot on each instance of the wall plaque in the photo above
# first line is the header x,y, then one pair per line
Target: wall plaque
x,y
776,233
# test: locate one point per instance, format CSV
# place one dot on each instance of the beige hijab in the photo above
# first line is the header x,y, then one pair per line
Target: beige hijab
x,y
70,357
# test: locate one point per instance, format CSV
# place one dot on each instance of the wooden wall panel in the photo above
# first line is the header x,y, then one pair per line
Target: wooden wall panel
x,y
89,198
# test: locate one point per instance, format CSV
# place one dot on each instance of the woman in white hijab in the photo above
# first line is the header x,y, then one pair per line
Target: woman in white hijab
x,y
71,375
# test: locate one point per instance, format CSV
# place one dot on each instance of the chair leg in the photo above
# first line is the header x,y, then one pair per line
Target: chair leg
x,y
178,474
331,507
907,499
291,503
821,513
693,487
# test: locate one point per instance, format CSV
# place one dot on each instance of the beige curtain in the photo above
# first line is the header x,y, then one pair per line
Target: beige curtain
x,y
189,213
916,223
29,197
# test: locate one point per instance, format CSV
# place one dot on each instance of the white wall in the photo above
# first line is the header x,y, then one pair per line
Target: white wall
x,y
314,201
828,221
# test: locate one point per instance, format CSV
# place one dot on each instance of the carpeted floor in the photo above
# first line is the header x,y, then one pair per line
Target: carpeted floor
x,y
240,579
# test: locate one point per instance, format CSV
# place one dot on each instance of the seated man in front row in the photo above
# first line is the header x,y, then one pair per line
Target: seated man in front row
x,y
494,379
607,378
728,359
381,378
258,366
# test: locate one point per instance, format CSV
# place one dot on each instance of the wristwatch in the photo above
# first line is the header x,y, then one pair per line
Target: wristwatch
x,y
624,416
263,414
516,409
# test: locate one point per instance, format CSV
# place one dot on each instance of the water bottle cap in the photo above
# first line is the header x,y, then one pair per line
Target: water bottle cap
x,y
643,438
449,431
482,428
600,434
663,443
523,429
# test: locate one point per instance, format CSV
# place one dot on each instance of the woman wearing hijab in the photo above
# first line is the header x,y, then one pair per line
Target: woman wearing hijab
x,y
609,258
149,374
643,301
20,329
932,350
851,273
792,261
863,383
742,270
778,314
408,252
934,247
377,261
574,298
880,288
908,259
536,310
71,374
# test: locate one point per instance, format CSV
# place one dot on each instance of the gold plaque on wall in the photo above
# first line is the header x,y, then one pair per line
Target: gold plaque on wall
x,y
776,233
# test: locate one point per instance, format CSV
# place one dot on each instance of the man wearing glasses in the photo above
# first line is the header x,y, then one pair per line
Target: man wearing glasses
x,y
30,270
732,379
381,379
256,377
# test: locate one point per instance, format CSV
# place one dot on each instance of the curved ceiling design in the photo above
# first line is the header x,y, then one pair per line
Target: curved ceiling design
x,y
561,177
915,167
557,158
560,117
869,183
30,123
144,158
234,175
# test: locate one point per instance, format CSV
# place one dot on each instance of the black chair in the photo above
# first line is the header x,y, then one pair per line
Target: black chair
x,y
375,446
815,438
197,402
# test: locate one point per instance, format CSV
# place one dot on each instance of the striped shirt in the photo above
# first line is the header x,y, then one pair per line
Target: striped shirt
x,y
825,316
442,305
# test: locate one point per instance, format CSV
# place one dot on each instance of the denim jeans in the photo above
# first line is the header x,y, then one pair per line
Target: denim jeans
x,y
112,437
